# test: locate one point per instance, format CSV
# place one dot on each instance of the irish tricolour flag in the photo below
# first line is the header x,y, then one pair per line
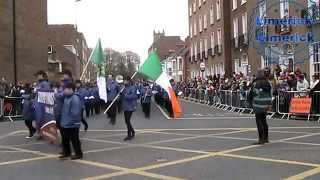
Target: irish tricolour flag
x,y
153,70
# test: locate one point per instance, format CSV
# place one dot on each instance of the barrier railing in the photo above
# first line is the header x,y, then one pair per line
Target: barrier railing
x,y
237,101
1,107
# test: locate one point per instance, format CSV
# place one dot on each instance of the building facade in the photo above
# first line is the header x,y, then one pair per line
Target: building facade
x,y
29,19
68,49
165,45
223,37
210,43
175,64
314,49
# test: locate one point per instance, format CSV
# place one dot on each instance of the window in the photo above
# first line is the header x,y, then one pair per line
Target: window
x,y
235,28
195,28
200,23
284,8
212,41
316,58
190,11
206,47
219,37
191,51
201,48
244,23
191,32
234,4
218,6
243,1
263,9
194,6
205,21
211,15
264,62
222,68
196,50
199,1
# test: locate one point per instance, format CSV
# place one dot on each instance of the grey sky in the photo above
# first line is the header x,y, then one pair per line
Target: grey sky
x,y
122,24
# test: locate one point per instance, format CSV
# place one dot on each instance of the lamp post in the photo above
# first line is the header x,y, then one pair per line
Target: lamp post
x,y
14,41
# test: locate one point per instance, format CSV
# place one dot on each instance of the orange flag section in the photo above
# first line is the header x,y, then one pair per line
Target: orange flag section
x,y
177,112
300,105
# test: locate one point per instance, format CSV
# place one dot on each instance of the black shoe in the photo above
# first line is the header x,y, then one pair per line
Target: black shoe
x,y
127,138
266,141
86,128
64,156
76,157
258,143
133,134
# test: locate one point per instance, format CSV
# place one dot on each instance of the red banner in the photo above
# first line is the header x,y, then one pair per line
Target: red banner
x,y
300,105
49,132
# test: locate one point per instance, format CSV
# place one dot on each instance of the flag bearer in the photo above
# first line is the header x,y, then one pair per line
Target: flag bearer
x,y
129,104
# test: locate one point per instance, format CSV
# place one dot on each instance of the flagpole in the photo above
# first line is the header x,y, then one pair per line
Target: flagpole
x,y
118,95
85,68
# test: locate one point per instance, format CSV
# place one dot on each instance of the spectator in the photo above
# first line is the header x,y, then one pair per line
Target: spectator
x,y
302,83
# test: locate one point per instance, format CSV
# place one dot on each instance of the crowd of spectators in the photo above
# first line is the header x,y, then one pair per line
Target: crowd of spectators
x,y
281,80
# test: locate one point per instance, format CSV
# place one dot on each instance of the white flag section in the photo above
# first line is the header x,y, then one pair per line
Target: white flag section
x,y
102,85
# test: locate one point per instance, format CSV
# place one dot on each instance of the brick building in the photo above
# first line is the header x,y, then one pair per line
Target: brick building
x,y
165,45
210,42
31,38
68,49
222,35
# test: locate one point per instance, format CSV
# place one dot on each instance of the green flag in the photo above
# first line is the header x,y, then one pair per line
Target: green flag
x,y
97,56
151,67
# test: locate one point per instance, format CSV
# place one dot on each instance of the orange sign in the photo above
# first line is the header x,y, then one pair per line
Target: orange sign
x,y
300,105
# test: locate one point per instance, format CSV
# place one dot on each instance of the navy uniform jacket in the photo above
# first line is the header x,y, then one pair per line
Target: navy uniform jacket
x,y
71,112
28,111
146,94
129,98
82,93
112,90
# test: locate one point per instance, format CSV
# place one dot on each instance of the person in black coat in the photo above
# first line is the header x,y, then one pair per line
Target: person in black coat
x,y
260,97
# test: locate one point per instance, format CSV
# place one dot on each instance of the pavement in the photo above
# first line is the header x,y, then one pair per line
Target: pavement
x,y
206,143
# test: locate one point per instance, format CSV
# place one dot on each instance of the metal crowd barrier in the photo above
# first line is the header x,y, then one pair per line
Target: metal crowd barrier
x,y
1,107
12,107
237,101
284,99
234,101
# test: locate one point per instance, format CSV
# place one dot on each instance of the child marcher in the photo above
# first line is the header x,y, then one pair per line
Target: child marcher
x,y
70,123
28,111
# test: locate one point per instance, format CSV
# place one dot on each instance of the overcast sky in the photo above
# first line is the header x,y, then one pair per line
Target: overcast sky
x,y
122,24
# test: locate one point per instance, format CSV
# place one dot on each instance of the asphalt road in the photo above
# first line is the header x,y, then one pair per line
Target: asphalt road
x,y
205,143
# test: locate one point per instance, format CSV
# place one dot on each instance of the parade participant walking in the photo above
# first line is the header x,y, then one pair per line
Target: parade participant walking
x,y
146,95
70,123
82,92
28,110
121,86
129,104
112,91
261,99
42,86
